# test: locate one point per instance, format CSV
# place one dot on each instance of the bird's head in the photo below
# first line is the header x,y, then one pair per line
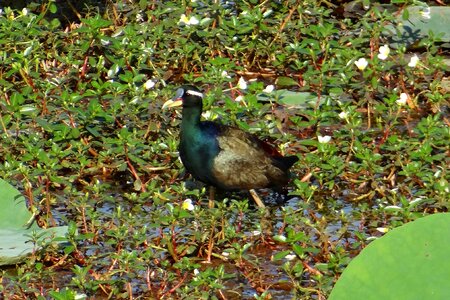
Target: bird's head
x,y
186,95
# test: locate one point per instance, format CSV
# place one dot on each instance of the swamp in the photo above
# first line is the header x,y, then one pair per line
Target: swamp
x,y
357,90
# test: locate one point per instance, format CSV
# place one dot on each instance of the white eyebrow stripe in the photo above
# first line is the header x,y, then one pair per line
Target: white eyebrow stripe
x,y
194,93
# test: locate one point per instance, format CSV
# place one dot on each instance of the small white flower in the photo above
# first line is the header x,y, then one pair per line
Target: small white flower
x,y
392,208
417,200
242,84
402,100
343,115
437,174
384,52
413,61
149,84
426,13
196,272
209,115
187,205
80,296
256,232
239,98
193,21
290,257
117,33
361,63
28,50
105,42
24,11
113,71
269,89
267,13
324,139
224,74
184,20
280,238
382,229
225,254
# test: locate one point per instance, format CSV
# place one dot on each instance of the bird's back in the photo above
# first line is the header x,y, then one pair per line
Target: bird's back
x,y
245,162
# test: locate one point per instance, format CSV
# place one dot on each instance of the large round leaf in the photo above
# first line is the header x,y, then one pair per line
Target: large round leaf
x,y
303,100
410,262
421,20
16,226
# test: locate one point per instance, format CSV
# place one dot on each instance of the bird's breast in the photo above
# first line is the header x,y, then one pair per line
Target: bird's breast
x,y
197,155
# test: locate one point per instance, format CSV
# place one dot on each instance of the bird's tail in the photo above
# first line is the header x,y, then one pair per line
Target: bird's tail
x,y
288,161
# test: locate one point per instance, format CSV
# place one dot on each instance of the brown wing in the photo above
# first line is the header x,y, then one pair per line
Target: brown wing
x,y
243,164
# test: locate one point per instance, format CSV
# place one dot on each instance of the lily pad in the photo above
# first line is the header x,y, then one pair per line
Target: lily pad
x,y
420,21
293,99
17,224
409,262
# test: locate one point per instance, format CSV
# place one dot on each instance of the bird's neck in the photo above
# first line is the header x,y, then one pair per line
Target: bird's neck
x,y
191,119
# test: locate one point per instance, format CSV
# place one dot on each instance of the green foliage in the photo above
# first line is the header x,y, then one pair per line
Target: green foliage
x,y
83,134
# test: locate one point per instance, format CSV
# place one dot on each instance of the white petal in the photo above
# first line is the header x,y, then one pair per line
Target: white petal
x,y
183,20
413,61
382,229
224,74
239,98
149,84
384,52
361,63
343,115
324,139
403,98
242,84
193,21
269,89
187,205
290,257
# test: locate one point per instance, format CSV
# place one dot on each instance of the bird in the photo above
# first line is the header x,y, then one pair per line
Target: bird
x,y
226,157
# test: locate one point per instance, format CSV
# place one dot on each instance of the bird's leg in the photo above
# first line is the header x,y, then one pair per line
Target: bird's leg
x,y
212,193
211,239
256,198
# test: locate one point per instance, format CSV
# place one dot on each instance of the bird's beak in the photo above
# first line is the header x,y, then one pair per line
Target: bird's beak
x,y
172,103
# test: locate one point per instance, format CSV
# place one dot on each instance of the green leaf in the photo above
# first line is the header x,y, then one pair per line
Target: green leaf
x,y
405,15
97,22
17,224
53,8
286,81
299,250
281,255
410,262
295,99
